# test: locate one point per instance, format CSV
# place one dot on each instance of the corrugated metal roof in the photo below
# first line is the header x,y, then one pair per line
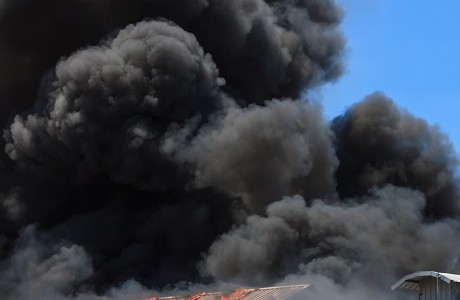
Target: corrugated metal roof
x,y
200,296
411,281
453,277
271,293
268,293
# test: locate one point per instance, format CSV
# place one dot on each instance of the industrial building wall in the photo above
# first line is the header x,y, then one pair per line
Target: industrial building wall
x,y
429,290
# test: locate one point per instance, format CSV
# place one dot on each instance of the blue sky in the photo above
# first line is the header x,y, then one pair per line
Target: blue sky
x,y
407,49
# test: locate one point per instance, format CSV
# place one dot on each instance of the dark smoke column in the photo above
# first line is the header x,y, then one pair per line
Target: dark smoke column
x,y
125,155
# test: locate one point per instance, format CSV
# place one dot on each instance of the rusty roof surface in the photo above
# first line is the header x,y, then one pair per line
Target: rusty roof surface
x,y
267,293
282,292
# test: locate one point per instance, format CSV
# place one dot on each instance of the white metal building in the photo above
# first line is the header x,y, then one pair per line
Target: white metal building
x,y
430,285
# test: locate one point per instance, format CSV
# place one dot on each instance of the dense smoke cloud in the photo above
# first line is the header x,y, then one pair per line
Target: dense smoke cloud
x,y
280,46
33,271
109,106
362,240
378,144
148,143
261,153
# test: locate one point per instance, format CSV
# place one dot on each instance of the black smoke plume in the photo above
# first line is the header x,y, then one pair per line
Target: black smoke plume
x,y
148,143
377,145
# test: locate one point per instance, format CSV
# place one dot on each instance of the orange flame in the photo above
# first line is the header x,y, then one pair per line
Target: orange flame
x,y
237,295
197,296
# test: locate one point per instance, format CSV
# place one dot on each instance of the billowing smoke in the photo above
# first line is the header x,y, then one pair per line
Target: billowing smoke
x,y
151,144
261,153
377,144
360,241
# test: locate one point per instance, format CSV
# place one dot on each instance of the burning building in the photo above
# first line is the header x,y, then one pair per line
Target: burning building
x,y
147,143
290,292
431,285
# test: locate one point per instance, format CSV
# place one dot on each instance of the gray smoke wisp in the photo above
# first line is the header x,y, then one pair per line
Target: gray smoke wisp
x,y
161,147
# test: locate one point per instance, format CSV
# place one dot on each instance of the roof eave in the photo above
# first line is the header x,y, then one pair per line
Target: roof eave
x,y
421,274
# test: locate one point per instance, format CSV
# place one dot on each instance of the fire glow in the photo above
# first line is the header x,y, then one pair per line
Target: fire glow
x,y
237,295
280,292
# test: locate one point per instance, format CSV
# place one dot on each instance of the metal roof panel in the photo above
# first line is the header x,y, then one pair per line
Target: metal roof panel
x,y
268,293
411,281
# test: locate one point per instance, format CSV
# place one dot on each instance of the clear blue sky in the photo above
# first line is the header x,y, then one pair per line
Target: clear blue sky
x,y
409,50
